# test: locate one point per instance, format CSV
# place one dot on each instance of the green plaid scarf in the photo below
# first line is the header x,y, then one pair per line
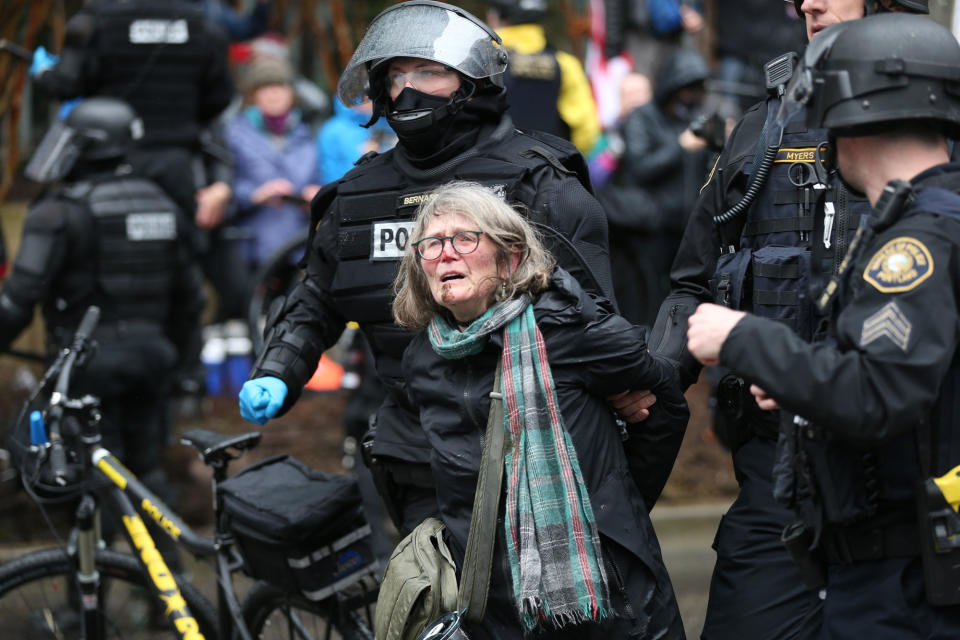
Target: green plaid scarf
x,y
552,541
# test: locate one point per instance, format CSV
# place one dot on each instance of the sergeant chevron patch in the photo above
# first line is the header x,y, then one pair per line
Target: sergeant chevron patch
x,y
888,322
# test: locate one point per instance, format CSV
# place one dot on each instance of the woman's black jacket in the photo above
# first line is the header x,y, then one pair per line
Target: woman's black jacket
x,y
592,354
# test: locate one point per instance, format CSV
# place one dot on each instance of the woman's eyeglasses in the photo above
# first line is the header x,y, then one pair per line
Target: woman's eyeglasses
x,y
463,242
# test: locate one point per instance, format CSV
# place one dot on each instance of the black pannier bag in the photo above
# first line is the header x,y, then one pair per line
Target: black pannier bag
x,y
298,528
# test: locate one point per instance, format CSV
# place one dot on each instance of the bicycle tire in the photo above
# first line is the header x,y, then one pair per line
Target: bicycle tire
x,y
273,278
35,598
271,614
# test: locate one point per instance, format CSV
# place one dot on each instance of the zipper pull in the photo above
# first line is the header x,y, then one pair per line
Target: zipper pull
x,y
828,214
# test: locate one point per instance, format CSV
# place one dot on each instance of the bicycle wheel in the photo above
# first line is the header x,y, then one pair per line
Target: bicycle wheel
x,y
272,614
273,278
37,600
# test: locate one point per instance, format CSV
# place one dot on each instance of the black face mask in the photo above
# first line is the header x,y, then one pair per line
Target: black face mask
x,y
420,120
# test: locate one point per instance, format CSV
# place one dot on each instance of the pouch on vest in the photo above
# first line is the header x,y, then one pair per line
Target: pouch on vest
x,y
419,585
781,277
731,279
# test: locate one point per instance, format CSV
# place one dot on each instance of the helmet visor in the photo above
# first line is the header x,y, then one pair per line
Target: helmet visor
x,y
441,33
56,154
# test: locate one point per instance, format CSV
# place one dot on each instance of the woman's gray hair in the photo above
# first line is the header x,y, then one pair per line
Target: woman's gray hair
x,y
414,306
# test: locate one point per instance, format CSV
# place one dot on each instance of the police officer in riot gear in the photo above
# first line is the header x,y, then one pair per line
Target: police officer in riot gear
x,y
100,235
170,64
770,225
434,71
870,413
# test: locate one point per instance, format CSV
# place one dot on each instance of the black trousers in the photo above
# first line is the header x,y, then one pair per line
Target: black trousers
x,y
884,600
756,591
131,376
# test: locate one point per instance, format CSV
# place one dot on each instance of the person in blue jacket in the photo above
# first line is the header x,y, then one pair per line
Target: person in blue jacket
x,y
342,140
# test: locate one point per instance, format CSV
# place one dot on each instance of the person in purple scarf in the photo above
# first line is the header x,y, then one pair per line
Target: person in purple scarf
x,y
276,172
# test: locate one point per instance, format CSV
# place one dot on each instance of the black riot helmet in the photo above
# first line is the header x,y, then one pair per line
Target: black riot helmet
x,y
874,6
520,11
861,74
98,129
422,29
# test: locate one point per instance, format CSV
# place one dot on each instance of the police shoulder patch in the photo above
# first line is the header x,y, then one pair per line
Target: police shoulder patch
x,y
900,265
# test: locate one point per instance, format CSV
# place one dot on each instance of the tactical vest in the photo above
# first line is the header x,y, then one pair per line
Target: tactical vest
x,y
771,272
375,205
533,83
851,483
129,229
152,56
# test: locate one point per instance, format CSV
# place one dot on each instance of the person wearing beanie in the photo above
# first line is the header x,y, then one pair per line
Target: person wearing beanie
x,y
275,163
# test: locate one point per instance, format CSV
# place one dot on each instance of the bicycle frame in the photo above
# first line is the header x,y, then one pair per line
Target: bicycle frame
x,y
130,499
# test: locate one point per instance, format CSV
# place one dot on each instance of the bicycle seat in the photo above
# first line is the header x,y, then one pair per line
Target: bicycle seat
x,y
213,447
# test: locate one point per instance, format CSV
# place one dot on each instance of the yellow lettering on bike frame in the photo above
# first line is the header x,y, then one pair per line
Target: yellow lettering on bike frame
x,y
154,512
186,625
188,628
114,475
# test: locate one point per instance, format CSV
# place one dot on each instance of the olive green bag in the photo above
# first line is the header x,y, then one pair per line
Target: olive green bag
x,y
420,583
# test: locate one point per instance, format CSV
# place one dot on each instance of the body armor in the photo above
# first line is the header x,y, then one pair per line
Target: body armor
x,y
130,232
147,55
772,271
780,258
533,83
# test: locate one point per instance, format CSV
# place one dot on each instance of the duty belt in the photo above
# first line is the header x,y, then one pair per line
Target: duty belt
x,y
854,544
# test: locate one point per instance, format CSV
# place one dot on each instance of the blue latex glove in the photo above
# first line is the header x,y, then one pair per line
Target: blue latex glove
x,y
42,60
261,399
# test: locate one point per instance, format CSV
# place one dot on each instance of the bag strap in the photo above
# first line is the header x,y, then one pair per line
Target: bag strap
x,y
478,559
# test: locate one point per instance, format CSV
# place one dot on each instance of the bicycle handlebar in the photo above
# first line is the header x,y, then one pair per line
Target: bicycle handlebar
x,y
81,339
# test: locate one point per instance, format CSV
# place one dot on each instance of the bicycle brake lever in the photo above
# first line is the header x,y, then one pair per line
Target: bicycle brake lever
x,y
58,460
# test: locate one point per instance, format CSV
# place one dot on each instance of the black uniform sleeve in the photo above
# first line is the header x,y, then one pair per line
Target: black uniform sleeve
x,y
894,348
44,247
71,76
579,218
217,159
217,90
696,260
309,322
188,300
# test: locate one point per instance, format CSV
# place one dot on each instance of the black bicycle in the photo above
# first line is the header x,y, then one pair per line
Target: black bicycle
x,y
81,589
